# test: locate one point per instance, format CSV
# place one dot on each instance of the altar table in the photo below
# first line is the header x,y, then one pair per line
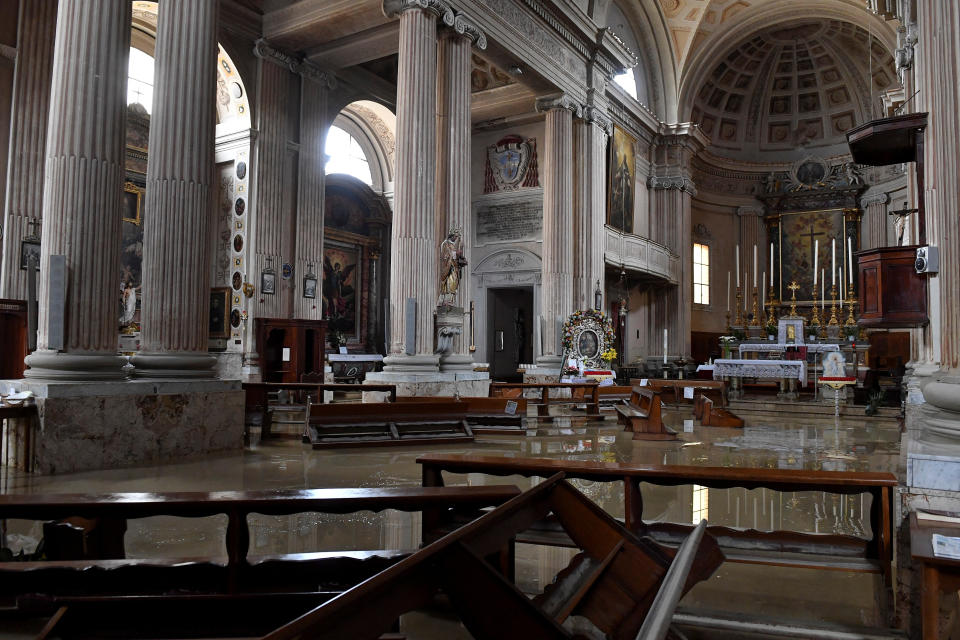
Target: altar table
x,y
353,366
786,371
814,347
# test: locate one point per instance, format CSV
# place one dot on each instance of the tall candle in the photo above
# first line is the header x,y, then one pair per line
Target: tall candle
x,y
816,255
763,290
841,285
728,291
833,262
823,290
850,258
737,254
771,264
754,266
664,346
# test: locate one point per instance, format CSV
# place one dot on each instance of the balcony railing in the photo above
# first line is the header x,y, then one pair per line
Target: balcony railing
x,y
641,255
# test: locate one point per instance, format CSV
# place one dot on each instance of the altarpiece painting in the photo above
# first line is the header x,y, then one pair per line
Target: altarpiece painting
x,y
622,172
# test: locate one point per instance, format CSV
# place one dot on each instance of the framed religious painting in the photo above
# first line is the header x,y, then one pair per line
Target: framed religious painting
x,y
29,250
340,285
220,312
621,181
268,282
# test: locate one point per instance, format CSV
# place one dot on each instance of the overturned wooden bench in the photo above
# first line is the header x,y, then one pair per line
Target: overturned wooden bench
x,y
777,548
642,416
485,415
617,584
704,411
579,393
387,423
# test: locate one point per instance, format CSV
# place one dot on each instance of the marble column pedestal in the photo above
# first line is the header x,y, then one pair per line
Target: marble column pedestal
x,y
55,365
174,365
88,425
932,439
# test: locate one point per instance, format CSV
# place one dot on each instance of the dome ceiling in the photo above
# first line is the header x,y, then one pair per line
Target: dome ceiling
x,y
796,85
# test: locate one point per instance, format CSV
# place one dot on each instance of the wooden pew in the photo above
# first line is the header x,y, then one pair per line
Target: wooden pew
x,y
237,572
642,415
485,415
715,389
708,416
387,423
613,395
779,548
611,585
580,393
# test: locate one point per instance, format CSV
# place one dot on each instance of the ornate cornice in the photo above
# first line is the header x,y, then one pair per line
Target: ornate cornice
x,y
680,183
465,26
563,101
595,116
751,210
393,8
265,51
874,198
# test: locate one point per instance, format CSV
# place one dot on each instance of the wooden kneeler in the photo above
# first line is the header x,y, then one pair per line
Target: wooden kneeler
x,y
642,416
704,411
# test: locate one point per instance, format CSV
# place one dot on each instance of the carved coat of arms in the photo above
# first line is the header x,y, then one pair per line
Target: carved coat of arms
x,y
511,164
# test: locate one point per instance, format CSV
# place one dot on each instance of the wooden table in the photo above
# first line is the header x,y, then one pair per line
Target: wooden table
x,y
939,574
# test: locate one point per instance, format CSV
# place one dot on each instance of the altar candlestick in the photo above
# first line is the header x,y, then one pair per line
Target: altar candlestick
x,y
841,286
737,254
728,291
754,266
833,262
850,258
816,254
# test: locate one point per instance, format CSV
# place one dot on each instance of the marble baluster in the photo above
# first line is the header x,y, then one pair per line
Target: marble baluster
x,y
413,264
28,136
310,187
454,136
557,171
83,183
589,215
176,291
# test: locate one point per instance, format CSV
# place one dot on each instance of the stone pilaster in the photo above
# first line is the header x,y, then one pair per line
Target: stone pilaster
x,y
557,170
176,291
310,187
454,137
874,206
28,136
589,214
83,183
753,231
413,265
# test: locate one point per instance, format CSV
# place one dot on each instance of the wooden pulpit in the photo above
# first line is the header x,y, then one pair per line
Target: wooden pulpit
x,y
892,293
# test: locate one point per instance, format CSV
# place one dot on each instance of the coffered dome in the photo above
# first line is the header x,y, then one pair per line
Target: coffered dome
x,y
793,87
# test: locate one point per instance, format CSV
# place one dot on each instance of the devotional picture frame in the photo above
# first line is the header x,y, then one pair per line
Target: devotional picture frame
x,y
310,286
268,282
220,312
29,247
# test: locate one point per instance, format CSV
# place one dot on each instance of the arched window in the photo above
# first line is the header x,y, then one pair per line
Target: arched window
x,y
627,82
344,155
140,79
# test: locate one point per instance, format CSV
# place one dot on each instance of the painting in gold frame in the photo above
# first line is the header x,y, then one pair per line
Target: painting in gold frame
x,y
621,184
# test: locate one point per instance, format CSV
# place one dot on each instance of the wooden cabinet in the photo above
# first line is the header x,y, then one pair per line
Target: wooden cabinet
x,y
13,338
892,293
290,348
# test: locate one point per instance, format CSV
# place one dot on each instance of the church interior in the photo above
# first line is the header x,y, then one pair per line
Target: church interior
x,y
423,319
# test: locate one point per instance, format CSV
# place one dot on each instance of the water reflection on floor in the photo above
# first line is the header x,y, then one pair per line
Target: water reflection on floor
x,y
836,597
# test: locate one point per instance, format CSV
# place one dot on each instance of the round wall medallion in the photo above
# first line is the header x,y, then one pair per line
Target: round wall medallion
x,y
235,318
286,270
241,170
238,243
240,206
237,280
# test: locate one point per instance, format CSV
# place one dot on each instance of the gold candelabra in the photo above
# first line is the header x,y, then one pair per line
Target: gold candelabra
x,y
793,286
815,318
833,307
851,301
739,307
771,312
756,311
729,326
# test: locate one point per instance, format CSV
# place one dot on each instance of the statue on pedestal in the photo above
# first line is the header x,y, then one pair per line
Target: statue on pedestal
x,y
451,266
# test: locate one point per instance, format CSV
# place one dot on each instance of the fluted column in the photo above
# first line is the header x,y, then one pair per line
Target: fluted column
x,y
589,212
28,136
753,231
453,162
413,265
310,187
83,184
556,302
874,206
176,291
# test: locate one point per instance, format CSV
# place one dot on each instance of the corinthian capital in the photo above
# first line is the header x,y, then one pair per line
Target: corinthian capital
x,y
312,72
393,8
680,183
563,101
465,26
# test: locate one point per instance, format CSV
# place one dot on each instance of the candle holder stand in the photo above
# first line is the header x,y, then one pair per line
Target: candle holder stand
x,y
851,302
833,307
793,299
755,322
815,317
771,308
739,307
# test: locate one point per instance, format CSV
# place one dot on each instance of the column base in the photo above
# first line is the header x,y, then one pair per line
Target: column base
x,y
173,365
456,362
411,364
54,365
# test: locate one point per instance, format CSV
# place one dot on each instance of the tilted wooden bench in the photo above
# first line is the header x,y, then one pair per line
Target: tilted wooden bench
x,y
580,393
779,548
704,411
485,415
613,585
715,389
613,395
642,416
237,572
387,423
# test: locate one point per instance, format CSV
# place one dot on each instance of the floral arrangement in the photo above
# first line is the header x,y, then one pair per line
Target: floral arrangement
x,y
578,316
609,355
727,340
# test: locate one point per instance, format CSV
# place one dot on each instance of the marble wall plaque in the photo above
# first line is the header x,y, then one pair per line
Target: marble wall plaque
x,y
515,221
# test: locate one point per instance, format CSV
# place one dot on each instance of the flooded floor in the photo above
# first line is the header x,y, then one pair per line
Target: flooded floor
x,y
802,595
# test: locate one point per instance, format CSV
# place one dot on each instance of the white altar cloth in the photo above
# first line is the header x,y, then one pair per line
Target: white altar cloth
x,y
773,346
763,369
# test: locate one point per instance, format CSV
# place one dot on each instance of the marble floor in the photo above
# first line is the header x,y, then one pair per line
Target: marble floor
x,y
780,440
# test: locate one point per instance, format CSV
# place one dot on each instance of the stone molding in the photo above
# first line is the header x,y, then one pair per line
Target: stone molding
x,y
562,101
595,116
874,198
265,51
751,210
393,8
681,183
